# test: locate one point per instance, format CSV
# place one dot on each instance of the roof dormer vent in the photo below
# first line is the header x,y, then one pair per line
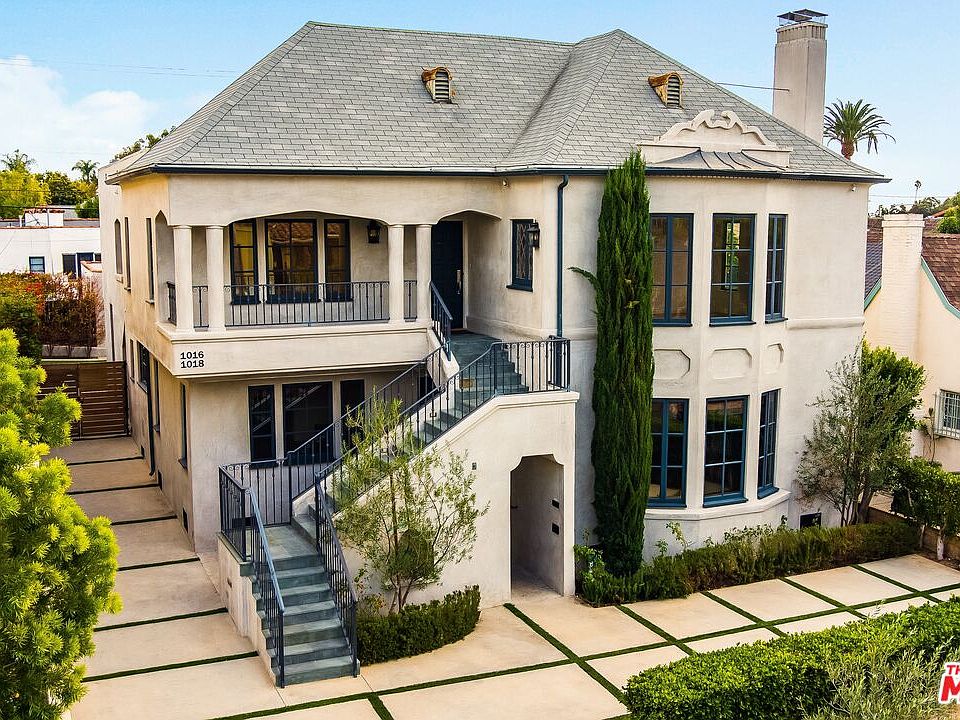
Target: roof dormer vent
x,y
669,88
439,85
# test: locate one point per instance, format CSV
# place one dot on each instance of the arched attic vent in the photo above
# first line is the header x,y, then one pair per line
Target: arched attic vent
x,y
669,88
439,84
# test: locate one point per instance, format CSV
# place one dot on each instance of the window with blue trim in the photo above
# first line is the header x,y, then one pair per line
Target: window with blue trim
x,y
767,467
672,236
724,450
668,467
776,257
731,271
521,257
37,264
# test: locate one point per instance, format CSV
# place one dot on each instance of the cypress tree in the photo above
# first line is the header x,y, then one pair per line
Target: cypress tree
x,y
623,371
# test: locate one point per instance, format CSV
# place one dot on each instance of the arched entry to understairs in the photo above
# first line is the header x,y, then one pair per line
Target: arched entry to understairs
x,y
536,524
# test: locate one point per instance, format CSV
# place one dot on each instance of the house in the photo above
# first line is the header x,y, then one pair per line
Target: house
x,y
912,304
46,240
392,211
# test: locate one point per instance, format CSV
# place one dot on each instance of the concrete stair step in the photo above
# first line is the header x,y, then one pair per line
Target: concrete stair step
x,y
310,651
329,629
319,670
306,612
297,577
301,595
298,562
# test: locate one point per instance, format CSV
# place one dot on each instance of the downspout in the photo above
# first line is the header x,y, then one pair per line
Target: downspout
x,y
560,187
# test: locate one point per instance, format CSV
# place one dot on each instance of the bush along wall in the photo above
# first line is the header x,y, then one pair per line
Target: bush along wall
x,y
746,556
417,629
789,676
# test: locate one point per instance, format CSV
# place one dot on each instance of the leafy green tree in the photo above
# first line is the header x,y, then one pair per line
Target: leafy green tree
x,y
89,208
57,566
861,430
18,161
20,189
623,370
409,513
61,190
20,311
148,141
927,493
851,123
950,222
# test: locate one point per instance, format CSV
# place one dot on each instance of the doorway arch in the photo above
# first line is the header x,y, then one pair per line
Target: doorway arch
x,y
536,523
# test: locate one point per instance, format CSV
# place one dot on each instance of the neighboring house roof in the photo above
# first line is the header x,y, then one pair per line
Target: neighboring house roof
x,y
874,269
336,98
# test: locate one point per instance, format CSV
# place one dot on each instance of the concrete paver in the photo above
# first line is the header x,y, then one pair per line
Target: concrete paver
x,y
947,594
563,692
152,542
166,643
745,637
98,450
323,690
915,571
500,641
123,505
106,476
620,668
848,585
895,606
772,600
821,622
587,630
158,592
693,615
353,710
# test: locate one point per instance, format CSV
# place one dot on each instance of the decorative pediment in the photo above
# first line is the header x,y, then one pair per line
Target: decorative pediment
x,y
712,131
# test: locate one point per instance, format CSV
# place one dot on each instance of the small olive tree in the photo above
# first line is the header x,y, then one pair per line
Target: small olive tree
x,y
861,431
928,494
409,513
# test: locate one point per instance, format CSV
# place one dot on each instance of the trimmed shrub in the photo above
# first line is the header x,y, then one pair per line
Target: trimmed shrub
x,y
787,677
417,628
746,556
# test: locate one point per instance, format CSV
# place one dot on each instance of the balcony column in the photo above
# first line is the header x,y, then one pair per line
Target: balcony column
x,y
424,243
395,271
183,274
215,290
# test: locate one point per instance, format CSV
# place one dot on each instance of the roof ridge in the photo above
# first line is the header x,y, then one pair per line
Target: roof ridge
x,y
415,31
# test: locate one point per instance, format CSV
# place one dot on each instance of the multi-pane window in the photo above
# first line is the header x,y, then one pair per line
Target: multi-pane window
x,y
143,367
126,252
336,260
183,425
69,262
672,242
37,264
668,465
731,271
948,414
308,409
724,450
156,395
292,258
243,262
262,423
776,257
767,467
118,247
521,256
150,289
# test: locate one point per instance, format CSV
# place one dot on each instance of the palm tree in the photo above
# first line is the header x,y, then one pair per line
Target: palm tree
x,y
87,170
18,161
849,123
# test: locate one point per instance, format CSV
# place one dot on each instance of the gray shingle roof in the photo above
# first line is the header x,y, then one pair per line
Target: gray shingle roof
x,y
335,97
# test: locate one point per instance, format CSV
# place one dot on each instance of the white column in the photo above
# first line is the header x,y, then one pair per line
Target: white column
x,y
424,236
183,274
214,300
395,272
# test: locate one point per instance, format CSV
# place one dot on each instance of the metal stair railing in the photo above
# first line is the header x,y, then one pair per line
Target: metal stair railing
x,y
442,320
266,575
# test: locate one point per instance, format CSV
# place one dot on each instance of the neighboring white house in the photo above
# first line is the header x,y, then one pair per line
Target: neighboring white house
x,y
43,240
912,304
334,217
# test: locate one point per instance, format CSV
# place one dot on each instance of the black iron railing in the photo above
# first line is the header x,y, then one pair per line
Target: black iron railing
x,y
442,319
338,572
171,303
266,577
233,513
409,299
306,304
200,307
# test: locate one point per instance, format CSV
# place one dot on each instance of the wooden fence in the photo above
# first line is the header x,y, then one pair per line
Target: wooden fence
x,y
101,388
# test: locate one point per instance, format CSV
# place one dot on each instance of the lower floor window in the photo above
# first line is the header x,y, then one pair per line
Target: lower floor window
x,y
767,467
724,451
668,424
308,409
37,264
262,423
183,425
948,413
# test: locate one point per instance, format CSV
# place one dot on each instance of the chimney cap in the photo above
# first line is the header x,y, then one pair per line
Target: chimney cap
x,y
801,16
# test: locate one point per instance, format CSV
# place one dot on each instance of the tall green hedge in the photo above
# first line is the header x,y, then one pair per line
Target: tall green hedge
x,y
417,628
623,371
784,678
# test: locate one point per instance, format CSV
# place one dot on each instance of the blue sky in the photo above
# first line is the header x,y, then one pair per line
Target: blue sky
x,y
81,79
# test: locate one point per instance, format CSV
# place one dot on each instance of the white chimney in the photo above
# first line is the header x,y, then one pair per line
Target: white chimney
x,y
900,285
800,71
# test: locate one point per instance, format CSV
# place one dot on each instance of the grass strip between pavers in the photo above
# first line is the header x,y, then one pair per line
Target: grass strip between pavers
x,y
654,628
821,596
921,593
380,708
760,622
583,664
115,523
171,666
168,618
161,563
122,487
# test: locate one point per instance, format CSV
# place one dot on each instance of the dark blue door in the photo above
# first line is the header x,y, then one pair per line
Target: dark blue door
x,y
446,269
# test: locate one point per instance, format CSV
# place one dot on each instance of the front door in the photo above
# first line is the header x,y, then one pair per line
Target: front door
x,y
446,267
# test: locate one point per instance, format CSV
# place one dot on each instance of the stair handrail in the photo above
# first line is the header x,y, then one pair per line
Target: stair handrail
x,y
264,571
442,320
341,583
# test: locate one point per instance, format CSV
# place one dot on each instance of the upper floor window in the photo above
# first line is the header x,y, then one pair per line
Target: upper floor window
x,y
731,272
291,259
118,247
724,450
243,262
948,414
776,257
336,260
150,289
668,466
126,252
767,467
37,264
672,257
521,254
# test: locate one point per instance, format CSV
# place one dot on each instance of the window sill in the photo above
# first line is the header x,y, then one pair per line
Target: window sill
x,y
775,320
728,323
662,323
723,500
524,288
666,505
766,492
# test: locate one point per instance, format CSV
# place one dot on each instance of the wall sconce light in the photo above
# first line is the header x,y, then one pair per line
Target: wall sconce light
x,y
533,234
373,232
